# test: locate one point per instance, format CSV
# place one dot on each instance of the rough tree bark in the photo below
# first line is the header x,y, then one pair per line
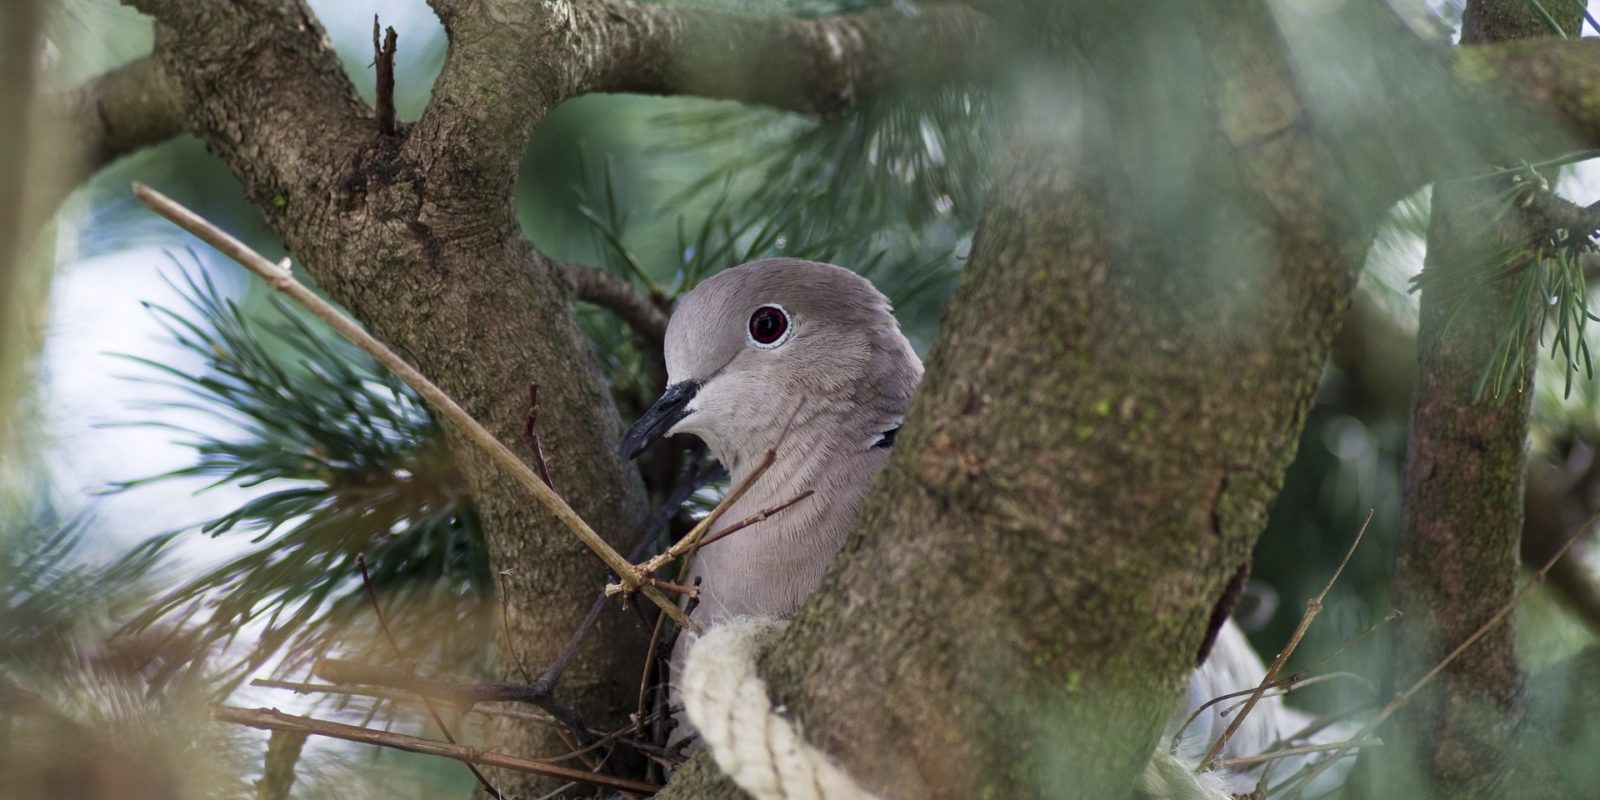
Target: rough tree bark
x,y
415,234
1456,563
1061,516
1032,578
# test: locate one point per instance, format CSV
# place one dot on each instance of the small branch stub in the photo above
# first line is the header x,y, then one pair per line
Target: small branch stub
x,y
383,61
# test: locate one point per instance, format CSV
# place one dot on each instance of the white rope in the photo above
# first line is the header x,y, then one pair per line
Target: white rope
x,y
765,754
752,742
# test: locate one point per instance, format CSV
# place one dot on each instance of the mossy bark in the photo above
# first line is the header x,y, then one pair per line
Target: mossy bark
x,y
1109,410
1456,565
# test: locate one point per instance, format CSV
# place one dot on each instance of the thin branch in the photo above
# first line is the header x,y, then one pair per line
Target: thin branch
x,y
641,312
1558,212
814,66
1248,761
458,693
1313,608
759,516
400,656
1402,699
690,542
649,666
530,435
119,112
505,630
272,719
280,278
398,697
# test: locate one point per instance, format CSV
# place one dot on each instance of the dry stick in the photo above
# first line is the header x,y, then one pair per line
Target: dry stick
x,y
456,693
649,666
687,543
1295,683
273,719
1246,761
394,645
759,516
530,434
505,630
675,588
1404,698
396,696
1394,614
690,540
282,280
1313,608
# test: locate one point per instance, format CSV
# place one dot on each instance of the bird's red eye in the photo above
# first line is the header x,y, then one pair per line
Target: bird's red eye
x,y
768,325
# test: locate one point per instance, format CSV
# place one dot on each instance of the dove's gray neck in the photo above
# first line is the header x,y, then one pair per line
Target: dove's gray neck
x,y
771,567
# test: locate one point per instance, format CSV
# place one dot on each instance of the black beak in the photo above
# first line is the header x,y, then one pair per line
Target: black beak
x,y
659,418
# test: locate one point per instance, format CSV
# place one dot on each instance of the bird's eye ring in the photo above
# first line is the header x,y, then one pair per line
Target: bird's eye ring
x,y
769,326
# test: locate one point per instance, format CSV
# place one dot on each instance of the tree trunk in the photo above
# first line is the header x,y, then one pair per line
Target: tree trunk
x,y
1115,395
1465,468
425,252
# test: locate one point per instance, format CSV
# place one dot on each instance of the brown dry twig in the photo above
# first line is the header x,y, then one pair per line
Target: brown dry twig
x,y
690,542
273,719
530,435
1247,761
279,278
400,657
457,693
1313,608
759,516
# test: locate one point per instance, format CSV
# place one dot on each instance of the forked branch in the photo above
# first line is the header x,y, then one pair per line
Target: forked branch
x,y
814,66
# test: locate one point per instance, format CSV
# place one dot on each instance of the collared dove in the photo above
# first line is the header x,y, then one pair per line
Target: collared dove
x,y
815,348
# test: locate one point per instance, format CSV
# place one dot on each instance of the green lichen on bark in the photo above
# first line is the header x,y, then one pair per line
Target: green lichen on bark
x,y
1456,563
1081,474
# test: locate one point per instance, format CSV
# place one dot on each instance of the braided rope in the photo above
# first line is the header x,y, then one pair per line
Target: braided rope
x,y
765,754
752,742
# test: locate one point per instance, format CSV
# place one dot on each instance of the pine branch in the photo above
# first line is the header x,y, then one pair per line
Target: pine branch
x,y
642,313
820,66
120,112
274,720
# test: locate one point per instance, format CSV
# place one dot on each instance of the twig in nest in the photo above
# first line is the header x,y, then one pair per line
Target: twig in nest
x,y
272,719
1394,614
400,657
505,630
383,60
530,435
1297,682
1279,687
279,278
463,695
1247,761
396,696
1403,699
649,666
690,542
759,516
1313,608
